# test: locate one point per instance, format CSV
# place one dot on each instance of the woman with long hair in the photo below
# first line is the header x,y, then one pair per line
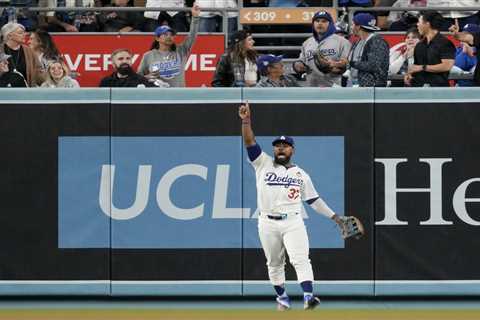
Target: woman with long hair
x,y
401,56
58,76
237,67
42,44
166,61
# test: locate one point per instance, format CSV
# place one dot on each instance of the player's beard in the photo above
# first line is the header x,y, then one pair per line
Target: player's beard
x,y
282,160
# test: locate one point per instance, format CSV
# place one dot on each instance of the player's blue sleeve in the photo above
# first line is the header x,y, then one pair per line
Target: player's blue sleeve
x,y
253,152
310,201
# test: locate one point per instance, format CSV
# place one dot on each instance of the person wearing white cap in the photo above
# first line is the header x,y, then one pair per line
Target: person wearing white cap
x,y
22,58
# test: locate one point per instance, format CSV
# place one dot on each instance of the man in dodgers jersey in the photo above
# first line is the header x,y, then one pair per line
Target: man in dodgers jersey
x,y
281,188
330,45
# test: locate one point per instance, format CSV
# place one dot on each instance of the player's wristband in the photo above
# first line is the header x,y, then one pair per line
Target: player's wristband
x,y
245,121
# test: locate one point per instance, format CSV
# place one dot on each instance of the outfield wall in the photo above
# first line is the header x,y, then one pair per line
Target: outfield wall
x,y
148,192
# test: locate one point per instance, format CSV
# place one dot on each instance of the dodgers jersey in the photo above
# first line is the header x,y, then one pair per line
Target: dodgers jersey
x,y
281,190
334,47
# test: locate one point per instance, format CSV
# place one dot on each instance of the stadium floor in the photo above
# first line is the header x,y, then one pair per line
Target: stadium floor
x,y
125,309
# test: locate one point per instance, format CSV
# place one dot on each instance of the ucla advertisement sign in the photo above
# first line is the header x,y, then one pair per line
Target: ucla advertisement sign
x,y
140,192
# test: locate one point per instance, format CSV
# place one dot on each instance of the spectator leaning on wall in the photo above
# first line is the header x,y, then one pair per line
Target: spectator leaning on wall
x,y
124,75
465,58
369,57
331,46
22,59
271,68
166,61
472,39
237,67
434,56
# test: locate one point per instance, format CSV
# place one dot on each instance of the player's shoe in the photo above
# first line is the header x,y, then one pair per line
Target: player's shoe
x,y
310,302
283,303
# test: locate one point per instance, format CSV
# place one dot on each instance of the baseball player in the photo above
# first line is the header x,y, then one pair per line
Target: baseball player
x,y
330,46
281,188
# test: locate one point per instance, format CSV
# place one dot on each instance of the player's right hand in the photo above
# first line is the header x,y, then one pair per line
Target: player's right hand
x,y
244,111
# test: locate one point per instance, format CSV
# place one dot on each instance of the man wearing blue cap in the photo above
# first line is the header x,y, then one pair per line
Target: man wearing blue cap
x,y
281,188
465,57
273,74
165,61
330,46
369,57
472,38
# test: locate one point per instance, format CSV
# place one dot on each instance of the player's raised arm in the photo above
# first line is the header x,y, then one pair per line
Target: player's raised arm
x,y
247,132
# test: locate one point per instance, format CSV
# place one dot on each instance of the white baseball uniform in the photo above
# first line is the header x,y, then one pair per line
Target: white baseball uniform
x,y
280,192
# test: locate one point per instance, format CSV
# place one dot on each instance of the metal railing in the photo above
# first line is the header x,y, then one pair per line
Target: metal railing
x,y
351,10
223,11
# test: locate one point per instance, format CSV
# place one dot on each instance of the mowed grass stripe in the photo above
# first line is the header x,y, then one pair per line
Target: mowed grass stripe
x,y
238,314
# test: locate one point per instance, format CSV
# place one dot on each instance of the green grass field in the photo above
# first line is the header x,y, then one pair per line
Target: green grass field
x,y
331,314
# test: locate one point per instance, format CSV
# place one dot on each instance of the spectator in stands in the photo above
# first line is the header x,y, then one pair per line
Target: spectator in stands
x,y
124,75
166,61
176,20
465,58
8,78
273,74
212,21
369,57
44,48
434,55
472,39
70,21
404,20
23,16
464,17
330,45
22,58
237,67
401,56
382,16
121,21
58,76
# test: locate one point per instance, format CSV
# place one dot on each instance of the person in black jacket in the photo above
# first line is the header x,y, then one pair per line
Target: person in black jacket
x,y
10,79
369,57
238,66
124,75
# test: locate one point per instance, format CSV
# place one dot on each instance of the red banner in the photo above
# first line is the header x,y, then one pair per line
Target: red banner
x,y
89,55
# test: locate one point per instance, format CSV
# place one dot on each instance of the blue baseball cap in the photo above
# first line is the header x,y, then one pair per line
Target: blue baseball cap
x,y
471,27
322,15
162,30
284,139
366,21
266,60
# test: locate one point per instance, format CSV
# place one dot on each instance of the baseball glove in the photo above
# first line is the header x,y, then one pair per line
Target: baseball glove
x,y
321,62
350,227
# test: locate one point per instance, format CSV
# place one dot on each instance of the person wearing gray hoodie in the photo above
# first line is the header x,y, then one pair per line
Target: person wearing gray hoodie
x,y
328,44
166,61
